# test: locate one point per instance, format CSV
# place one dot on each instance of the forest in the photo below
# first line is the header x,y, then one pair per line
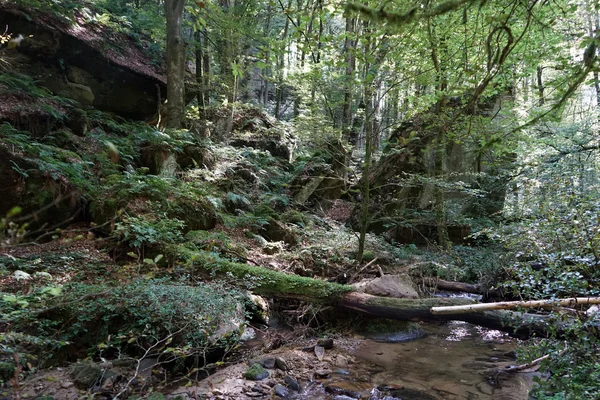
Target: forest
x,y
299,199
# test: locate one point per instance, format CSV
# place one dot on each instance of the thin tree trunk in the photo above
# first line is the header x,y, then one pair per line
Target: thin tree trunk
x,y
319,37
297,99
540,85
511,305
349,46
440,140
264,90
280,64
596,78
175,64
200,72
368,130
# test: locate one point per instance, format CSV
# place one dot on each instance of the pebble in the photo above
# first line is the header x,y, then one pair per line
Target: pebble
x,y
281,391
322,373
258,389
341,372
292,383
341,361
281,364
319,352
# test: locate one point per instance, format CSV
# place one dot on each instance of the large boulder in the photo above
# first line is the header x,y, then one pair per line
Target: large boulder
x,y
398,286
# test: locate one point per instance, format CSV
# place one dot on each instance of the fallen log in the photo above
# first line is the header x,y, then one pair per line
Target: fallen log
x,y
268,282
517,324
511,305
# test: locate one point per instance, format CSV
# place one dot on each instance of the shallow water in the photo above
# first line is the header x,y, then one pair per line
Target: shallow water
x,y
454,361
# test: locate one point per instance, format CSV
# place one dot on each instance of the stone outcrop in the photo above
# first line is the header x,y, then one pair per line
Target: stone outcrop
x,y
84,60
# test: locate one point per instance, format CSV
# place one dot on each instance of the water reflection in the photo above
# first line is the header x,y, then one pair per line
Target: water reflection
x,y
454,361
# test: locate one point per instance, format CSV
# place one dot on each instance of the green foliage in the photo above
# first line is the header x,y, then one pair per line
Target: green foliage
x,y
167,197
294,217
141,312
64,166
147,230
22,84
572,368
214,242
235,201
553,252
11,233
7,371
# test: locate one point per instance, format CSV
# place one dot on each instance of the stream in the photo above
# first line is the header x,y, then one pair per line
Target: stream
x,y
452,361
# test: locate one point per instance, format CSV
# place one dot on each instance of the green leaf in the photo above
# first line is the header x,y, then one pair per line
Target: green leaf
x,y
14,211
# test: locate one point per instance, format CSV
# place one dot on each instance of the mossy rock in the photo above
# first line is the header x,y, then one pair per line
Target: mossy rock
x,y
61,138
196,157
7,371
160,160
263,210
293,217
256,372
85,375
278,232
198,214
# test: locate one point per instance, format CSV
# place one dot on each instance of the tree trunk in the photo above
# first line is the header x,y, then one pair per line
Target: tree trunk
x,y
368,131
440,140
511,305
301,57
349,45
280,64
175,64
200,71
540,85
264,89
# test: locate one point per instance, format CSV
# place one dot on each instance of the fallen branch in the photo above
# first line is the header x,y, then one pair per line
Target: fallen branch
x,y
533,363
515,323
457,286
510,305
367,265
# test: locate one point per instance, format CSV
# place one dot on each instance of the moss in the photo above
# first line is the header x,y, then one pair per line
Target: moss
x,y
85,374
263,210
368,255
7,371
256,372
263,280
293,217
